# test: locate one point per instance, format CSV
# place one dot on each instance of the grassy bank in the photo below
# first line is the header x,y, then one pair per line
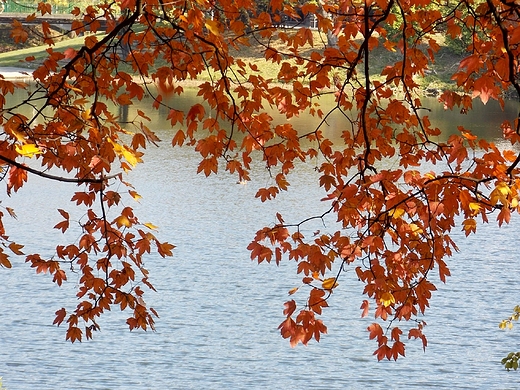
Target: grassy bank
x,y
438,76
17,57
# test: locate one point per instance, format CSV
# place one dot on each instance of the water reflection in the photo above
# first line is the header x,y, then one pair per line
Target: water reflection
x,y
483,120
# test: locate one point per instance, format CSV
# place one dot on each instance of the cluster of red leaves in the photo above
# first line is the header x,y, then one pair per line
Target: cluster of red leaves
x,y
394,217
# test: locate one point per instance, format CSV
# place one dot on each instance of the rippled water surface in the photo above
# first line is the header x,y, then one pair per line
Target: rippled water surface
x,y
219,312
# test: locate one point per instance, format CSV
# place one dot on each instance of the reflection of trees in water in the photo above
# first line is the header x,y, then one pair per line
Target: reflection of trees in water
x,y
482,120
123,113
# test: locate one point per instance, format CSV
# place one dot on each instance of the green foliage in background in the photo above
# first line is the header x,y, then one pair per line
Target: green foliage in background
x,y
511,360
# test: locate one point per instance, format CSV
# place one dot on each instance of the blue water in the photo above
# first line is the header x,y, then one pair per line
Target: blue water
x,y
219,312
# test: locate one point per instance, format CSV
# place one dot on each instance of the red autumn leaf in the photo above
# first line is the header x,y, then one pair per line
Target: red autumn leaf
x,y
317,300
4,259
365,306
17,178
60,316
18,32
74,334
290,307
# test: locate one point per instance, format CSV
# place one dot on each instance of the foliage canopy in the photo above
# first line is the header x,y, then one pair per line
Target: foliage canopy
x,y
396,216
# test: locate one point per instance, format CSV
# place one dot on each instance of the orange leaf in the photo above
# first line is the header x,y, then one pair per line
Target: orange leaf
x,y
74,334
16,248
469,226
18,32
317,300
329,284
4,259
293,290
365,306
208,166
165,249
290,307
60,316
17,177
179,138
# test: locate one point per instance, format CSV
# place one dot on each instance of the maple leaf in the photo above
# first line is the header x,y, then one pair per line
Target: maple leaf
x,y
60,316
329,284
317,301
213,26
365,306
4,259
17,178
74,334
208,166
18,32
260,252
16,248
387,299
290,307
44,8
327,182
164,248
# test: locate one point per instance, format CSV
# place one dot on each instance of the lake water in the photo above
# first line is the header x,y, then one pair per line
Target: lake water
x,y
219,311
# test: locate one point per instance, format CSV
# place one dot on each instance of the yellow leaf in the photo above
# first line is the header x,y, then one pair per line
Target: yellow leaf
x,y
123,220
150,226
503,188
134,195
130,156
500,193
293,290
416,230
75,89
469,225
213,26
387,299
502,324
430,175
19,136
28,150
86,114
474,207
396,213
329,284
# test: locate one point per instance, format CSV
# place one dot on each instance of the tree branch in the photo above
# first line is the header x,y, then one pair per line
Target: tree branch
x,y
52,177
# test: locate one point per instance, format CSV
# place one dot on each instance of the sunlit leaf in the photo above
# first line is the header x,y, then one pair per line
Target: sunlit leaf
x,y
396,213
387,299
293,290
123,220
28,150
329,284
150,226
